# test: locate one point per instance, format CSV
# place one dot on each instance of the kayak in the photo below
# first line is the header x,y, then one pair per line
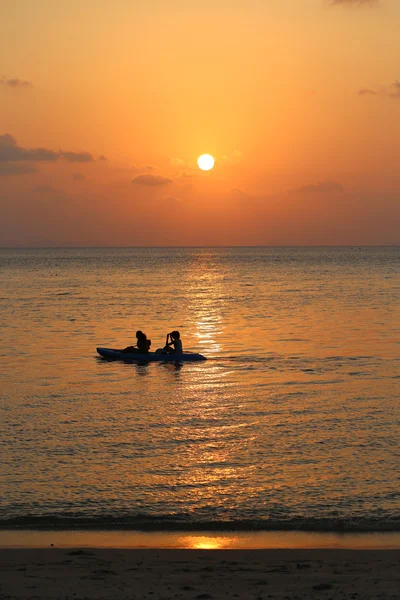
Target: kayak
x,y
150,356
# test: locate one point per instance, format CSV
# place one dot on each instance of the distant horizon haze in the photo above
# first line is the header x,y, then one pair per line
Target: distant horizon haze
x,y
351,246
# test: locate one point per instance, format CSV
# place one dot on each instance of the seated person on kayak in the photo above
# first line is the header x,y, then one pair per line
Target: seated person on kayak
x,y
175,345
142,344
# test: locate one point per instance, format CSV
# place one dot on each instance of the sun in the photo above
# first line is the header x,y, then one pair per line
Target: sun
x,y
206,162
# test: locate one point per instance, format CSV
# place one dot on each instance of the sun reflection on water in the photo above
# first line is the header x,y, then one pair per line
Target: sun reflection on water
x,y
196,542
207,290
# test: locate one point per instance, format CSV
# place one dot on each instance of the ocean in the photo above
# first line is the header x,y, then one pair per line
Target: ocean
x,y
293,422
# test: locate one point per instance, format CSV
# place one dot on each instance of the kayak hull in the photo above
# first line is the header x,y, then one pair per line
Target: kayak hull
x,y
150,357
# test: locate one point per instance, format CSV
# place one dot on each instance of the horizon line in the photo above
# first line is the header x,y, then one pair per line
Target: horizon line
x,y
396,245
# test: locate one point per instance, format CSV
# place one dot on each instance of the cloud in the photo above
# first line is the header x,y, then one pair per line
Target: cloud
x,y
390,91
367,92
78,176
232,159
324,187
177,162
151,180
15,169
77,156
102,157
354,2
11,152
141,168
395,90
45,189
238,192
14,82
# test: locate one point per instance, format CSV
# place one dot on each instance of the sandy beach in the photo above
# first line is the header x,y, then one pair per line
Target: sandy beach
x,y
199,574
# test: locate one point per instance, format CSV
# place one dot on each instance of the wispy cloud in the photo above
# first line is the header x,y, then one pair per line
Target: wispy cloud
x,y
141,168
354,2
15,82
77,156
11,152
177,162
16,169
390,91
394,90
324,187
367,92
232,159
45,189
151,180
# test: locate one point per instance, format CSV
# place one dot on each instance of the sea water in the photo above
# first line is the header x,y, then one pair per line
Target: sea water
x,y
292,423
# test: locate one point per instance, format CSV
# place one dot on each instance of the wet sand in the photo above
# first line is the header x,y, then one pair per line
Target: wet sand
x,y
199,574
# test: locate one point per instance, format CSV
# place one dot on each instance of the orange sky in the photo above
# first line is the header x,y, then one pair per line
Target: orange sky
x,y
297,100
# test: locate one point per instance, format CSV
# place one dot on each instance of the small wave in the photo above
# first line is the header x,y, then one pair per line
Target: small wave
x,y
244,359
182,523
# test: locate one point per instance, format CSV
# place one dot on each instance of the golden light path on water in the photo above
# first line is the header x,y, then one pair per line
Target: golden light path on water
x,y
213,391
205,307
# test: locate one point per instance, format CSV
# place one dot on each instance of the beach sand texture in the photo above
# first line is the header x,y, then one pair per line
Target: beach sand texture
x,y
199,574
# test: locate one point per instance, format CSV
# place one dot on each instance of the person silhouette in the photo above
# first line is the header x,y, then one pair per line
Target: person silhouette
x,y
142,344
173,343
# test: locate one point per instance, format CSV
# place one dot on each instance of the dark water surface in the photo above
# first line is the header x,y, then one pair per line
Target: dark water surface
x,y
293,422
